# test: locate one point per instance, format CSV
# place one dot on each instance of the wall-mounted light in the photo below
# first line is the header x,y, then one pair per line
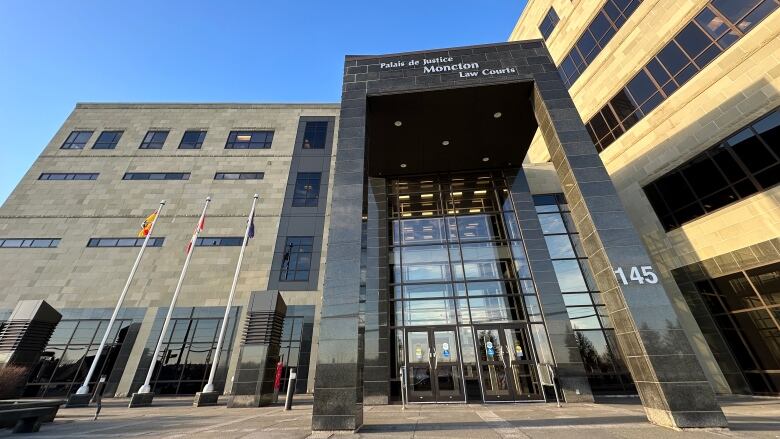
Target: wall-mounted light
x,y
484,159
403,165
445,142
497,114
398,123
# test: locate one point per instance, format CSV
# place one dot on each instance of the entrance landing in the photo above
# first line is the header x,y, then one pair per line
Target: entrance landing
x,y
175,417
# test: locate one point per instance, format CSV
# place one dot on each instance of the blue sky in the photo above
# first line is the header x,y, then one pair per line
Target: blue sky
x,y
55,53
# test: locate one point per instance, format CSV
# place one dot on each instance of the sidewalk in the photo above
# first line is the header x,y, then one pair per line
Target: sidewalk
x,y
176,418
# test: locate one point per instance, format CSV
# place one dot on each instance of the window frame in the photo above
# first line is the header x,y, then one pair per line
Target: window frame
x,y
151,143
294,255
165,176
234,143
71,142
198,144
108,145
311,192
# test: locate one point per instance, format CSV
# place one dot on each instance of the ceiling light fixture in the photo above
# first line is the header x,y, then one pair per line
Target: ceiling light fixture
x,y
403,165
426,196
484,159
445,142
482,192
497,114
403,197
398,123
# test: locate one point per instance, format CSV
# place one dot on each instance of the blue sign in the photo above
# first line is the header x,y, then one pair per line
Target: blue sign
x,y
490,351
445,347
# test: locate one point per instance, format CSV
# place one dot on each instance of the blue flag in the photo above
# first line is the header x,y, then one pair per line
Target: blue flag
x,y
252,229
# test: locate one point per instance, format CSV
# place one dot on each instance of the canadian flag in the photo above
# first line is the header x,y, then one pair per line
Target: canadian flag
x,y
199,228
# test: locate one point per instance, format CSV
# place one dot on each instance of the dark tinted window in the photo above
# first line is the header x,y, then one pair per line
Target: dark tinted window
x,y
77,140
249,140
307,189
548,23
107,140
224,241
154,140
156,176
239,176
599,32
314,135
192,139
719,176
124,242
29,242
68,176
695,46
296,259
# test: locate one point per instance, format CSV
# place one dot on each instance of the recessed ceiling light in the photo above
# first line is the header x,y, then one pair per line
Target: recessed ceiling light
x,y
403,165
484,159
445,142
497,114
398,123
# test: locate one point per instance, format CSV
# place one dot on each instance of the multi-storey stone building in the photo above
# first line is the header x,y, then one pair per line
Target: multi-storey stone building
x,y
591,207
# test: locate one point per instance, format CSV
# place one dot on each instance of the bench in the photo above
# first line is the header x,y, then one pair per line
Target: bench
x,y
27,415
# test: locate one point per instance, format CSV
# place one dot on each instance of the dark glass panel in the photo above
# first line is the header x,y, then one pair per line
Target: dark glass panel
x,y
719,199
599,126
583,317
751,151
625,109
736,292
688,213
559,246
769,130
569,276
745,188
657,71
726,162
735,11
769,177
686,74
711,23
673,58
708,55
758,14
552,223
766,280
762,335
703,176
693,40
675,191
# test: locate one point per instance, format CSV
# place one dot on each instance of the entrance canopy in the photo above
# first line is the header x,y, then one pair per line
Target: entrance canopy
x,y
457,129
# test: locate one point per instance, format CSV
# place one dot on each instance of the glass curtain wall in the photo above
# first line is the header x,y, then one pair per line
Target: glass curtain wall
x,y
458,262
607,372
746,309
65,361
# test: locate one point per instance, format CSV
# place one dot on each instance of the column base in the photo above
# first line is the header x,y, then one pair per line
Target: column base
x,y
242,401
141,400
203,399
76,400
687,420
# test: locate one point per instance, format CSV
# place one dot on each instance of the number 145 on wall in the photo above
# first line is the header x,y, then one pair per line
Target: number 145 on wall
x,y
641,275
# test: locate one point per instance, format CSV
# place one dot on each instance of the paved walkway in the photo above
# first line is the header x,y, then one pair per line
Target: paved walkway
x,y
176,418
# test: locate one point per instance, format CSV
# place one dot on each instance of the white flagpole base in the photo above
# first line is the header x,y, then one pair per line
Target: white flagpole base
x,y
208,388
145,389
83,390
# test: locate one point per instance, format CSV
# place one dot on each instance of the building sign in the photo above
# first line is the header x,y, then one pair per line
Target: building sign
x,y
446,64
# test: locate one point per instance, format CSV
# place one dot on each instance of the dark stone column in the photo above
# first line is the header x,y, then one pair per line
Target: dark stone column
x,y
568,361
670,381
253,385
23,339
376,370
338,385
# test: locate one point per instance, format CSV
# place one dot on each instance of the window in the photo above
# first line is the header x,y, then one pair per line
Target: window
x,y
63,364
107,140
709,34
29,242
593,331
154,140
124,242
296,260
314,135
743,164
68,176
239,176
307,189
156,176
599,32
744,305
192,139
548,23
249,140
225,241
77,140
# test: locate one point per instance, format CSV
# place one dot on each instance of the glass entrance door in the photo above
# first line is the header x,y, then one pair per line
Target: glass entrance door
x,y
433,366
507,367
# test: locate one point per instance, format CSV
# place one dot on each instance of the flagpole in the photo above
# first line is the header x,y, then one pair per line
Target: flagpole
x,y
146,388
84,389
209,387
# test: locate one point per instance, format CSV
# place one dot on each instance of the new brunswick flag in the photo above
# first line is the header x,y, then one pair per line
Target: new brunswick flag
x,y
147,225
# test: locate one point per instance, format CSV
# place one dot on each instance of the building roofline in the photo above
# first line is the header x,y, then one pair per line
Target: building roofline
x,y
516,28
444,49
210,106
